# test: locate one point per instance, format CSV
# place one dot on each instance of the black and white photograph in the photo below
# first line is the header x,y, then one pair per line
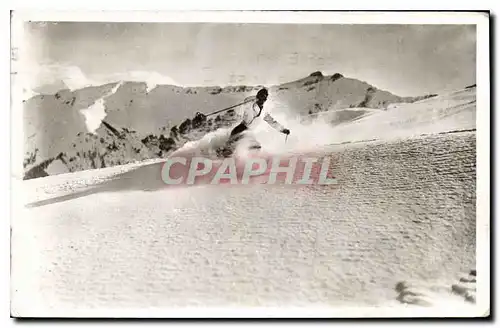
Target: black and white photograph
x,y
250,164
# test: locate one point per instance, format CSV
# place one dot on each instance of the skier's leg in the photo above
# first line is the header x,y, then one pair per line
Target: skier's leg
x,y
238,129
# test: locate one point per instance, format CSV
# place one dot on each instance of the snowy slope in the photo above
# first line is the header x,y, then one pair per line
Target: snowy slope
x,y
455,111
398,230
388,222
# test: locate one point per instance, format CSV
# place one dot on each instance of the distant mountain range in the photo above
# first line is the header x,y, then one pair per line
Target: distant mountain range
x,y
141,124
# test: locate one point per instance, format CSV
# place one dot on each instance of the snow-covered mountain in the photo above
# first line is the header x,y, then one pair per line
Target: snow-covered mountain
x,y
144,121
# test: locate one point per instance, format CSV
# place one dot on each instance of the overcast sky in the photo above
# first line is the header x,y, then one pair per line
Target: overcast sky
x,y
403,59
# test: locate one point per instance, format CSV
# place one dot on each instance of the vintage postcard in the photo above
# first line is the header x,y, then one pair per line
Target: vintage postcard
x,y
250,164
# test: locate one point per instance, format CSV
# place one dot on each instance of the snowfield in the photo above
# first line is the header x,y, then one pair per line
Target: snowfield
x,y
397,232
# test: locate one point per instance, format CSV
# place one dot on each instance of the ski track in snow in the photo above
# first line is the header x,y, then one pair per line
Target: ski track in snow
x,y
398,230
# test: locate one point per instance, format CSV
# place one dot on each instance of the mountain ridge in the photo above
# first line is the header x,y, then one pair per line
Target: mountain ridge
x,y
150,123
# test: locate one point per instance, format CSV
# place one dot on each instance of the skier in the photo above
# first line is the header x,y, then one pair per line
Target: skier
x,y
250,114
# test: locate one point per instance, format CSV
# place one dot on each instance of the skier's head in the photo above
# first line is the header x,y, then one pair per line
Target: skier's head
x,y
262,95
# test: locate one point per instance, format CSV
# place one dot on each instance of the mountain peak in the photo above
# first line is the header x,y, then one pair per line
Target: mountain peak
x,y
316,74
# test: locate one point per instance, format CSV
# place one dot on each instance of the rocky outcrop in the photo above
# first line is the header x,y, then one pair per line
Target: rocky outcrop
x,y
111,146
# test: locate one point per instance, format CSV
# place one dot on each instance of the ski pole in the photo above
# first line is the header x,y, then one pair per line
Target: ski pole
x,y
228,108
